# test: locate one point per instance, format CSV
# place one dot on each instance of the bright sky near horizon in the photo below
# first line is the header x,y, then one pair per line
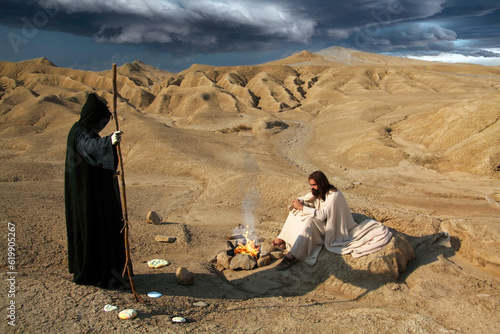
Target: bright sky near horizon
x,y
174,34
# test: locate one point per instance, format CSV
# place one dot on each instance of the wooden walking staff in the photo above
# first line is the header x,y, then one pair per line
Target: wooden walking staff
x,y
128,262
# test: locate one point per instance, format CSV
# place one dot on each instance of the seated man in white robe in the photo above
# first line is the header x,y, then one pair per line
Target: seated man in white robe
x,y
323,217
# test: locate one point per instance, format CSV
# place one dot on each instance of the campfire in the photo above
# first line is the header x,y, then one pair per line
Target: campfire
x,y
244,252
248,247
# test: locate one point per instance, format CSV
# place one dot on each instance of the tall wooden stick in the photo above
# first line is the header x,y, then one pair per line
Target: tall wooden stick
x,y
128,269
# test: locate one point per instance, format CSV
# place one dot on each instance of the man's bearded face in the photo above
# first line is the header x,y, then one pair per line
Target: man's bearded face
x,y
314,188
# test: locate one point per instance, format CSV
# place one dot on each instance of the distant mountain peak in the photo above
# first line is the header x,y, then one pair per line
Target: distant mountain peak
x,y
40,61
352,57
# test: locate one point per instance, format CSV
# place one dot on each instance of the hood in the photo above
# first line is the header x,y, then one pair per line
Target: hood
x,y
95,114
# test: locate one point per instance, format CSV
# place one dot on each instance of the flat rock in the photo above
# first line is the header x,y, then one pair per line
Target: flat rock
x,y
276,255
263,261
242,261
200,304
164,238
355,276
266,247
154,294
158,263
467,234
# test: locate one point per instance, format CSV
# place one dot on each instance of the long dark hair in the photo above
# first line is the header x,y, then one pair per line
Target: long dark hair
x,y
324,186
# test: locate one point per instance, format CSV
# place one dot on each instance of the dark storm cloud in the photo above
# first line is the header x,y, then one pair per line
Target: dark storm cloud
x,y
184,26
214,26
192,22
419,27
412,36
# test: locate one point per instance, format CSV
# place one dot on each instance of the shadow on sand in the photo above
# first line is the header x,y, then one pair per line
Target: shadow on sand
x,y
332,275
343,275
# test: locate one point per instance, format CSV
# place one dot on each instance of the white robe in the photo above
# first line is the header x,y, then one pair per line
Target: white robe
x,y
330,223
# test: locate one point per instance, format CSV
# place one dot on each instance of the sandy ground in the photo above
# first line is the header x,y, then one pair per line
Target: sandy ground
x,y
205,179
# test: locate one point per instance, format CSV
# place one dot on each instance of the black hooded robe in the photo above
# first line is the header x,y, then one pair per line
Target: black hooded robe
x,y
94,217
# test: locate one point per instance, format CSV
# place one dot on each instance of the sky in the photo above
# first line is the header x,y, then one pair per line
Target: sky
x,y
174,34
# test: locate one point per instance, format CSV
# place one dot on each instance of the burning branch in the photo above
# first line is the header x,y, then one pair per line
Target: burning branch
x,y
235,236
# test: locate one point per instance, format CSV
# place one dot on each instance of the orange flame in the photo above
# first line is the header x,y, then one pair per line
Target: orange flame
x,y
249,248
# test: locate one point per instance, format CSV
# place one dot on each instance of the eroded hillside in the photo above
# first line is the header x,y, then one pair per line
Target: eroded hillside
x,y
413,144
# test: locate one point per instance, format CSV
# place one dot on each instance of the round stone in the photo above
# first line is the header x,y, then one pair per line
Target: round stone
x,y
109,308
184,276
178,319
127,314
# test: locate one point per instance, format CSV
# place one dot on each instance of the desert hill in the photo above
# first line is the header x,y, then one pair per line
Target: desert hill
x,y
391,102
337,55
413,144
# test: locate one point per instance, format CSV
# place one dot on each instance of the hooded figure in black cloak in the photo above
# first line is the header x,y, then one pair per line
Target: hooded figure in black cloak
x,y
94,218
